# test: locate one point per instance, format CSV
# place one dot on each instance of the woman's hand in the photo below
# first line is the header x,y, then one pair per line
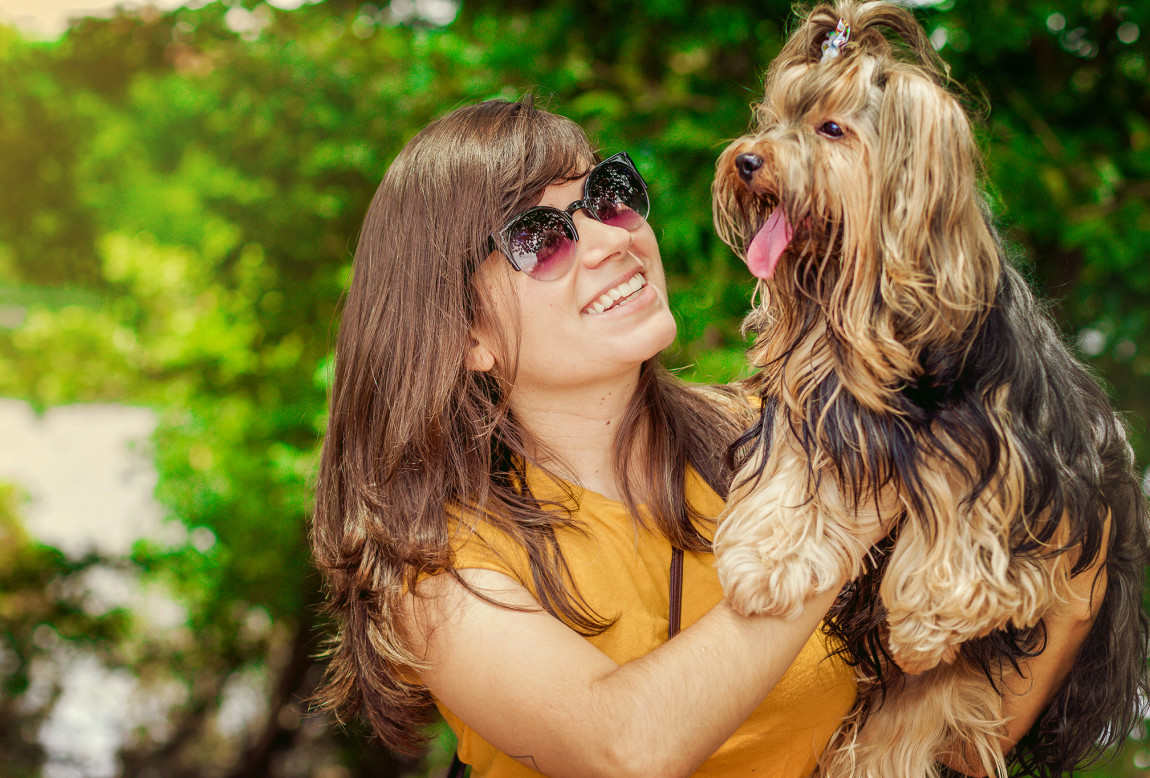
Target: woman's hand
x,y
540,692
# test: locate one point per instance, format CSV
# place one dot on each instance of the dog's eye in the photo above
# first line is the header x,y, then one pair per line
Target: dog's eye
x,y
832,130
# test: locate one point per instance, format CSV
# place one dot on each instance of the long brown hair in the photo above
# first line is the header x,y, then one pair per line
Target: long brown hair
x,y
412,433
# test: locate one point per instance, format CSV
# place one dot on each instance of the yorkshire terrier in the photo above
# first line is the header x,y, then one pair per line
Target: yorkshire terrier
x,y
908,376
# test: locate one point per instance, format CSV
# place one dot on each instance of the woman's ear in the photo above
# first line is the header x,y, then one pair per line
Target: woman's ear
x,y
480,355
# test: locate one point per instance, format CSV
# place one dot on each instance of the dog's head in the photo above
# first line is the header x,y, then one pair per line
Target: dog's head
x,y
857,190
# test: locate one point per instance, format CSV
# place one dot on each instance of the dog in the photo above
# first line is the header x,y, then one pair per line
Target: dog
x,y
908,377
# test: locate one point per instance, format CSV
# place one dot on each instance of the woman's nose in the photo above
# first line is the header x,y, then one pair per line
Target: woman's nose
x,y
599,242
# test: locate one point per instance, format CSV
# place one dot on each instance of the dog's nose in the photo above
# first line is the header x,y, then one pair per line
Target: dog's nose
x,y
747,164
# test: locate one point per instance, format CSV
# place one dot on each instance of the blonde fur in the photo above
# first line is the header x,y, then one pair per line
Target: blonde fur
x,y
806,552
901,737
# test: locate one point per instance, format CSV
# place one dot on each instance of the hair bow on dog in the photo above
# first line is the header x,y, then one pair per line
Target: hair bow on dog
x,y
835,41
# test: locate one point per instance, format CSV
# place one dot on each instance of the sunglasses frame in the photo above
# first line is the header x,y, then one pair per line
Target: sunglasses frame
x,y
499,240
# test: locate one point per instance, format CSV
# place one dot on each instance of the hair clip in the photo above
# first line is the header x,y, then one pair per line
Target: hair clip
x,y
835,41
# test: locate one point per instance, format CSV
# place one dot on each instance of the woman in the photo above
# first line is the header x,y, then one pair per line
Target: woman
x,y
506,470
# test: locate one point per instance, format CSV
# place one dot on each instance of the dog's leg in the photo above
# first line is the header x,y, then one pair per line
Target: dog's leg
x,y
951,708
778,543
953,578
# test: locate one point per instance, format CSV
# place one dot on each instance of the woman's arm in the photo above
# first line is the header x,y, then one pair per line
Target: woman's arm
x,y
540,692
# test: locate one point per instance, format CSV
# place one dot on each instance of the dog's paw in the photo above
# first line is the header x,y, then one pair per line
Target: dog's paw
x,y
918,644
746,583
914,662
759,581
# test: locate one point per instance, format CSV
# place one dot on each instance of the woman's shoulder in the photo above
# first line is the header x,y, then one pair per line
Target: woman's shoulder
x,y
478,539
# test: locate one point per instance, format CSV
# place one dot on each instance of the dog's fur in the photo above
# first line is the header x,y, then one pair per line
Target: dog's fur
x,y
908,376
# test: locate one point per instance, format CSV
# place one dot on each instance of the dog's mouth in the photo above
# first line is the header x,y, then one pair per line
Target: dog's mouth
x,y
769,243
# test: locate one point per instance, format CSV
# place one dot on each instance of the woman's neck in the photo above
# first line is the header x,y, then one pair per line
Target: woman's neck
x,y
577,427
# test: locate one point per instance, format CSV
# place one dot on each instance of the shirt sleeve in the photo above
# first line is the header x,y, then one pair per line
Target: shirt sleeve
x,y
476,543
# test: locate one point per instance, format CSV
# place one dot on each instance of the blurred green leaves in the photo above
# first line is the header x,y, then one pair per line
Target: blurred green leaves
x,y
182,200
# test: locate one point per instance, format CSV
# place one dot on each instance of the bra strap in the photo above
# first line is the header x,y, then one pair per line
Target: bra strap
x,y
676,592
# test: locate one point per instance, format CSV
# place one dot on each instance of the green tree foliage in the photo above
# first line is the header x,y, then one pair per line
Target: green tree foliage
x,y
182,197
41,610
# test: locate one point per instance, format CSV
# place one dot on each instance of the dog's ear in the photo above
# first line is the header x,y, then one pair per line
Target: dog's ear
x,y
940,261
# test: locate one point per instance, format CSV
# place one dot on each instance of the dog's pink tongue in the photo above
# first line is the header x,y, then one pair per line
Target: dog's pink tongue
x,y
769,244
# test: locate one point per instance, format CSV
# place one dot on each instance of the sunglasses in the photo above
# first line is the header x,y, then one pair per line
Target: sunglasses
x,y
541,240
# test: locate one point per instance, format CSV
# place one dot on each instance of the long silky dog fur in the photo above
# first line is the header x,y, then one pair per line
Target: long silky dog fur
x,y
909,376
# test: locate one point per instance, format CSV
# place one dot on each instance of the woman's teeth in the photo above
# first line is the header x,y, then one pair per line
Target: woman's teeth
x,y
623,291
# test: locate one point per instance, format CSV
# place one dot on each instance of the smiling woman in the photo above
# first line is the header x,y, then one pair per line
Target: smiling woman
x,y
507,469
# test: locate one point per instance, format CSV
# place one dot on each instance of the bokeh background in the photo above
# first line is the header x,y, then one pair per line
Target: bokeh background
x,y
180,194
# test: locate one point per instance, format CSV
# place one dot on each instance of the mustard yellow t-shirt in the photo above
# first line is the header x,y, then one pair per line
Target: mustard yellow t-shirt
x,y
623,571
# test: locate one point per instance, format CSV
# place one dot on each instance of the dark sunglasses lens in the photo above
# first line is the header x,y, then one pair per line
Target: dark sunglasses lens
x,y
542,244
617,195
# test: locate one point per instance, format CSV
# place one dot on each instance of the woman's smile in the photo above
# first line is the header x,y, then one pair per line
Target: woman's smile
x,y
626,293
